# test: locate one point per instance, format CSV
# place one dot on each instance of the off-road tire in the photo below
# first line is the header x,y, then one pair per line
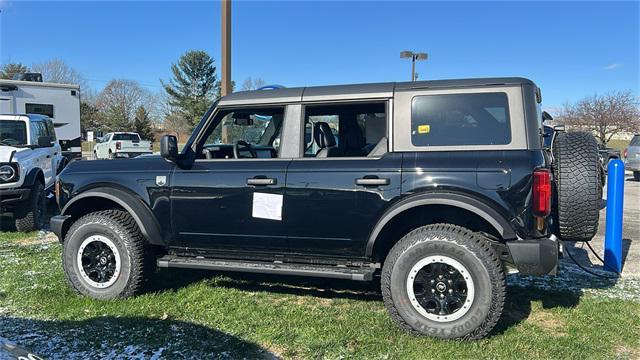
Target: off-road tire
x,y
136,263
111,155
29,216
578,186
636,175
471,250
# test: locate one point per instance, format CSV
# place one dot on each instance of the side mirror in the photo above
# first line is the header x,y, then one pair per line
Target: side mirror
x,y
169,147
546,116
45,141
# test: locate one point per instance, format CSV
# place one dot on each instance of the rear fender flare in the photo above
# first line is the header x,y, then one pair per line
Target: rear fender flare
x,y
140,212
499,223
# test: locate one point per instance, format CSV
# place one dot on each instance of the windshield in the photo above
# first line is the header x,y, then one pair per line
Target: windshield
x,y
13,132
129,137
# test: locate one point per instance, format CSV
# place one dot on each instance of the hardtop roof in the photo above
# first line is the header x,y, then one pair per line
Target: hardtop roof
x,y
312,93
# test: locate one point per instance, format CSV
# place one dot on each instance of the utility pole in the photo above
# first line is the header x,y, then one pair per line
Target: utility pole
x,y
226,47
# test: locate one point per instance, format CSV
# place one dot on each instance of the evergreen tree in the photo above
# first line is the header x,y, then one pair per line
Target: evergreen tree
x,y
193,86
142,124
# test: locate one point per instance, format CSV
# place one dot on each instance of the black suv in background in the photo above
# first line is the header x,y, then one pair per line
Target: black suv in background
x,y
437,188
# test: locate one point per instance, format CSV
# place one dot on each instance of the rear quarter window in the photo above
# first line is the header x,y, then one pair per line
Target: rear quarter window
x,y
460,119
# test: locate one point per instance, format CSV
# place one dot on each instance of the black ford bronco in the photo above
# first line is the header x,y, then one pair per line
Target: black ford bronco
x,y
435,188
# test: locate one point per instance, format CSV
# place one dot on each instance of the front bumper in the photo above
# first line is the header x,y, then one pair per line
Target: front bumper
x,y
13,196
536,256
57,224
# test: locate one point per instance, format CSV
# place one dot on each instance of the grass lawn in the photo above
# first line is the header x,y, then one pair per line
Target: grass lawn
x,y
205,314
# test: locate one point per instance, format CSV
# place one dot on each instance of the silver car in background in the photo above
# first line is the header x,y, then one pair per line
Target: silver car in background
x,y
632,155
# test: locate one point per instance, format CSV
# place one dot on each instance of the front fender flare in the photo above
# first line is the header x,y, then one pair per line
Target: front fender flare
x,y
135,206
465,202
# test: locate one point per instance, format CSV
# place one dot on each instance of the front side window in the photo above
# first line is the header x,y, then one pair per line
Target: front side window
x,y
635,141
51,130
13,133
245,133
460,119
41,109
38,129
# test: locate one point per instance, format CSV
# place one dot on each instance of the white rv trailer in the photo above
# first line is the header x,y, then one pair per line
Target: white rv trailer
x,y
60,102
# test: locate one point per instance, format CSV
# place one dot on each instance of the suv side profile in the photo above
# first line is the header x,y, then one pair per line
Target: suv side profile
x,y
30,158
437,188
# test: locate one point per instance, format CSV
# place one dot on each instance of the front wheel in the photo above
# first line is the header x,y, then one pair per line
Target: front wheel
x,y
445,281
104,255
30,215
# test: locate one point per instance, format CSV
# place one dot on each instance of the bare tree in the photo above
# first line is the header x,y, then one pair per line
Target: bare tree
x,y
9,70
118,103
604,115
251,84
177,123
57,71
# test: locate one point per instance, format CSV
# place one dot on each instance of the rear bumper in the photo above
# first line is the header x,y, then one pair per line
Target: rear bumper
x,y
632,165
57,224
13,196
536,256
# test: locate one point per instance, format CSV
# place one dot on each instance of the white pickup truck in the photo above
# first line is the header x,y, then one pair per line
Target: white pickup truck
x,y
121,144
30,159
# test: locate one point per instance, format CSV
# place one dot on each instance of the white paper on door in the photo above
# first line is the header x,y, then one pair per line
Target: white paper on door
x,y
267,206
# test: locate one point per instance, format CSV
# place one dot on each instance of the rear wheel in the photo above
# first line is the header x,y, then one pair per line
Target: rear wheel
x,y
445,281
30,215
104,255
636,175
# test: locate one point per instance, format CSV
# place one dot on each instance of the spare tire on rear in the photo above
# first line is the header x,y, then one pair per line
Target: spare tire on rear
x,y
578,187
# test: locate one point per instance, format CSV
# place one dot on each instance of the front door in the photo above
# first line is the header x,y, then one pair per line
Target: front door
x,y
231,198
344,183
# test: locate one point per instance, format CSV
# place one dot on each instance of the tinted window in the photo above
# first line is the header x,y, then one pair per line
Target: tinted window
x,y
635,141
42,109
129,137
13,132
460,119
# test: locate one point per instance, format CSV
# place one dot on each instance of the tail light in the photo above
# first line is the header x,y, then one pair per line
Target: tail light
x,y
625,153
542,192
118,145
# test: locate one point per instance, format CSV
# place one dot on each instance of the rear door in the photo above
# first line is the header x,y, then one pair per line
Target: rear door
x,y
332,203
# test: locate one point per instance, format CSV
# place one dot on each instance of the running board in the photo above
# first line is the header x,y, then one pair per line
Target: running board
x,y
364,273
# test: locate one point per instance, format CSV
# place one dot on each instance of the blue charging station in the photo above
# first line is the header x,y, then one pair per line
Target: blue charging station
x,y
613,231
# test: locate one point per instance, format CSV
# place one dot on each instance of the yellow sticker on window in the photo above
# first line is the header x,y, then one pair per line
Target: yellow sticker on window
x,y
424,129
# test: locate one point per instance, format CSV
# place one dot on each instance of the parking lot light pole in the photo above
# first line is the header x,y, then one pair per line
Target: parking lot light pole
x,y
414,56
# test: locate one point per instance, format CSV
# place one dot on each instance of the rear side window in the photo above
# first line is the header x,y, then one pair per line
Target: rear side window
x,y
460,119
125,137
635,141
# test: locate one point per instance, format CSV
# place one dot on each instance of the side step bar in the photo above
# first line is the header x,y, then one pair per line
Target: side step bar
x,y
364,273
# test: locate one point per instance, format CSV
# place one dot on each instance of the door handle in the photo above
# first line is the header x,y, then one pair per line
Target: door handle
x,y
261,181
372,181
